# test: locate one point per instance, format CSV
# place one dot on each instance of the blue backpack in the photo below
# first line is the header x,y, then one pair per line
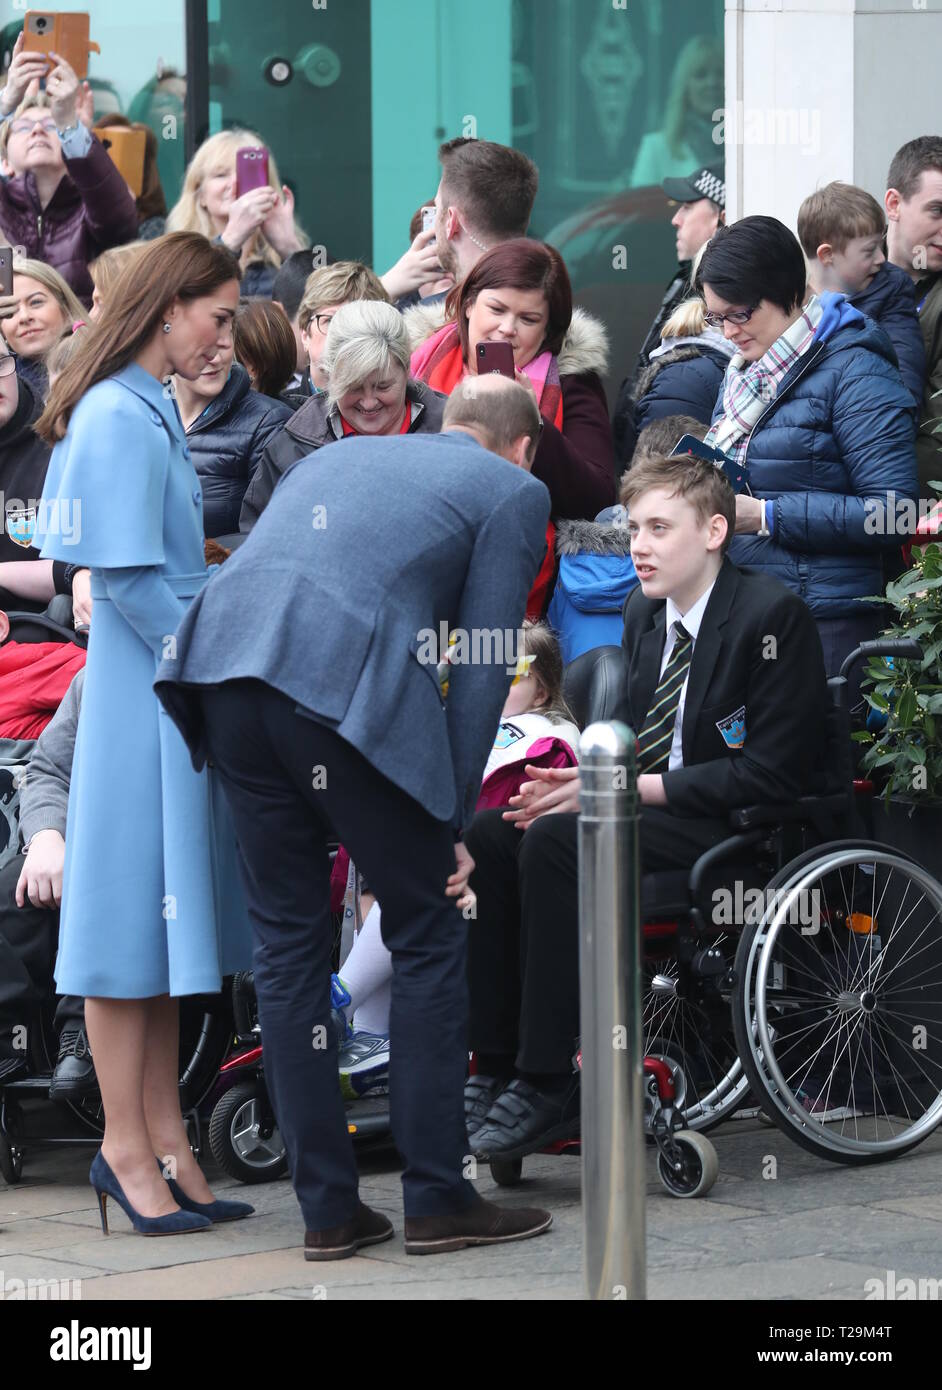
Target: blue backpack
x,y
595,577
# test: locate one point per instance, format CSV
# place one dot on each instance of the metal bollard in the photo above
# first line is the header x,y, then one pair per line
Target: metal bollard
x,y
613,1150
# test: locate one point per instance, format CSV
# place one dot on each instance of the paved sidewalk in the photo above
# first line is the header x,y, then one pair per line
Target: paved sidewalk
x,y
814,1230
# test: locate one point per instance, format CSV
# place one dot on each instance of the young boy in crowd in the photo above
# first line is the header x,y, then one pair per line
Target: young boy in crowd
x,y
841,229
725,689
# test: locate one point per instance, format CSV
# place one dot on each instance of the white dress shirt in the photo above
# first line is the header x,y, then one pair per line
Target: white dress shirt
x,y
691,621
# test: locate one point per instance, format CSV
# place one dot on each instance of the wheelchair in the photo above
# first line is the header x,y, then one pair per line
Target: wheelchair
x,y
815,992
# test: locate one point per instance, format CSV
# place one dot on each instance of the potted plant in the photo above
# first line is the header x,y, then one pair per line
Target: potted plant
x,y
904,734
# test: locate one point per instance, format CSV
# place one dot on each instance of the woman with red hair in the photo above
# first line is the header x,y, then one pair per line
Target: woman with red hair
x,y
519,293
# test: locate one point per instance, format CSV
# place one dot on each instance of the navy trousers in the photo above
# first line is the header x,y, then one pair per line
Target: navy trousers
x,y
291,782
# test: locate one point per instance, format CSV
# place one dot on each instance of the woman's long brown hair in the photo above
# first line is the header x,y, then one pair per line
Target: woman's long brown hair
x,y
183,265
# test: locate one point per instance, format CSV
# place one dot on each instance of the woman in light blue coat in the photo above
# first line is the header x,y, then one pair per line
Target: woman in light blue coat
x,y
150,904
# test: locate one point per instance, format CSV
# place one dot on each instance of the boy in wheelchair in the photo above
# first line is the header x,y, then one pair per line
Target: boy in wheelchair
x,y
725,688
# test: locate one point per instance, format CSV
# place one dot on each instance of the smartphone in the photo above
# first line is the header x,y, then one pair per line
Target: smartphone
x,y
496,357
6,269
428,219
737,475
251,168
46,31
126,148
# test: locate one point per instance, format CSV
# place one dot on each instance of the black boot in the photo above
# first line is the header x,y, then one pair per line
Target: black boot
x,y
74,1075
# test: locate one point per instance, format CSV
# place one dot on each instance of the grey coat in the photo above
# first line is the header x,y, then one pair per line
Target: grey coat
x,y
44,798
311,427
360,555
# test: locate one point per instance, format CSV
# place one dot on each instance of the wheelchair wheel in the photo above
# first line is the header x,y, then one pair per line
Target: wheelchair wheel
x,y
243,1138
697,1165
838,1002
686,1022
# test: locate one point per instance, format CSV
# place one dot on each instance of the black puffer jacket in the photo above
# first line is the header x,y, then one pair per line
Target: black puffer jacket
x,y
227,442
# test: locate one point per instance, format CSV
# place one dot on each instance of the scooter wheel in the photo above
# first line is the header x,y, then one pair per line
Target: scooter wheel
x,y
506,1172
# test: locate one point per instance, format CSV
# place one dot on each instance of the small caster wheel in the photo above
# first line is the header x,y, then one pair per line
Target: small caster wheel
x,y
699,1165
243,1137
11,1162
506,1172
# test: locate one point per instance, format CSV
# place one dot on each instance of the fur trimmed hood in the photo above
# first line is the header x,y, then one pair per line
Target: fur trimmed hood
x,y
584,349
591,538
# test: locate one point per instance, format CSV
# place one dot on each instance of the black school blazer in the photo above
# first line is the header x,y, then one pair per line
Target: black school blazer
x,y
754,713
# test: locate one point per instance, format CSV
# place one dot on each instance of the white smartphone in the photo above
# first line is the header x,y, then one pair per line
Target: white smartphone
x,y
428,218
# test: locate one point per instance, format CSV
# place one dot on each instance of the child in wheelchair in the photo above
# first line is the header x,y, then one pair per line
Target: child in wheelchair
x,y
536,729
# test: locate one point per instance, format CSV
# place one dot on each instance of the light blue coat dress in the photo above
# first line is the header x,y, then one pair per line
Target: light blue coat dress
x,y
151,902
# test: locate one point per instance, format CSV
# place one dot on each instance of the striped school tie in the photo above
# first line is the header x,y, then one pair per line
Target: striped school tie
x,y
657,733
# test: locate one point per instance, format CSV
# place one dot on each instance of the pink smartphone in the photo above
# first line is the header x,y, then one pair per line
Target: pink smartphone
x,y
251,168
496,357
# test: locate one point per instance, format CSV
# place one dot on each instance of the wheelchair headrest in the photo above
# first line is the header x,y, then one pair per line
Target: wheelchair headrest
x,y
595,685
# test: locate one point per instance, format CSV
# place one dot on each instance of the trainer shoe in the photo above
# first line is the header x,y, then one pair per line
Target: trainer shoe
x,y
363,1063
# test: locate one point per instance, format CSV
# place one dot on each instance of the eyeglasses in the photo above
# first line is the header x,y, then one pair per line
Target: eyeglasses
x,y
734,316
7,364
322,323
24,127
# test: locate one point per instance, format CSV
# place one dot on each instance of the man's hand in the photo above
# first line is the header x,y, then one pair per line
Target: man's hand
x,y
40,879
457,885
62,84
651,789
748,515
418,266
25,69
81,599
552,789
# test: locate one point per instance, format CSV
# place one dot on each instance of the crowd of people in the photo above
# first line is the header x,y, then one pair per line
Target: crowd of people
x,y
168,382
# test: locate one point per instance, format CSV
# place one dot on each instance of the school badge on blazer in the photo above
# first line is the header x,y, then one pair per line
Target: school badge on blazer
x,y
733,728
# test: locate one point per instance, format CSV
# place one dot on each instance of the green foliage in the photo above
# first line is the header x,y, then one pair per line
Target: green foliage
x,y
906,757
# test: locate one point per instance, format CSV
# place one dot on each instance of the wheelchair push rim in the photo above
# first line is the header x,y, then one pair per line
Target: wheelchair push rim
x,y
876,998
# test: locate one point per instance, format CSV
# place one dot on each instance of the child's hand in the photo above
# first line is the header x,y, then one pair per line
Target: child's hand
x,y
552,789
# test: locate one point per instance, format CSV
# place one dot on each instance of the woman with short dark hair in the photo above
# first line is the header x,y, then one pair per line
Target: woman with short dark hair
x,y
814,406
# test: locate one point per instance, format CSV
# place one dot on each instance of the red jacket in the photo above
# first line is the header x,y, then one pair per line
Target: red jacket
x,y
90,210
34,676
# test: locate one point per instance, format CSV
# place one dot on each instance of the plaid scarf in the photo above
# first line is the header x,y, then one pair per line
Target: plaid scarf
x,y
748,388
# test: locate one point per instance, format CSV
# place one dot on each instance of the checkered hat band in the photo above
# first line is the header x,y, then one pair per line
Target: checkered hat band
x,y
708,185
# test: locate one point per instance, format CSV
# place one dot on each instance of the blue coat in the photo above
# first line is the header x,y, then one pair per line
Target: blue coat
x,y
340,593
686,381
227,442
890,300
150,901
840,430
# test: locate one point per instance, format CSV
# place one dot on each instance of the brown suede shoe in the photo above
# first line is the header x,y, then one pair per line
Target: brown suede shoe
x,y
368,1227
484,1223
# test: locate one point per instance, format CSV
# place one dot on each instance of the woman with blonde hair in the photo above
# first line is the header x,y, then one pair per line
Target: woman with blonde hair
x,y
685,141
259,227
150,908
684,375
370,390
41,310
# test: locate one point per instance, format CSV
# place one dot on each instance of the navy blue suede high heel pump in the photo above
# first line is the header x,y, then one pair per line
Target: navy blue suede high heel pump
x,y
174,1223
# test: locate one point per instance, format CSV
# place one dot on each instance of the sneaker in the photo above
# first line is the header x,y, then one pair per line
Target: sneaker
x,y
363,1063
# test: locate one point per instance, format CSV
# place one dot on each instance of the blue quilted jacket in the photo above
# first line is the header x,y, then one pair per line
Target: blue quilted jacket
x,y
840,431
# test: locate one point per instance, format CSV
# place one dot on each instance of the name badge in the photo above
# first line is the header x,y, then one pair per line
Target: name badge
x,y
733,728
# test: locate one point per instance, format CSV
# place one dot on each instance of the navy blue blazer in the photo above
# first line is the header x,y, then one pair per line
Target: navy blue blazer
x,y
361,557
